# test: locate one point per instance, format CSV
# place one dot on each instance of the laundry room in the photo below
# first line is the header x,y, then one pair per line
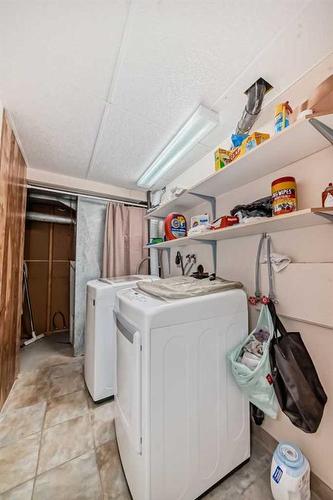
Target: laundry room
x,y
166,266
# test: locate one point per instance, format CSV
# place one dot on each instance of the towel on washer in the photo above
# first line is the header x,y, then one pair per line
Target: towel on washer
x,y
182,287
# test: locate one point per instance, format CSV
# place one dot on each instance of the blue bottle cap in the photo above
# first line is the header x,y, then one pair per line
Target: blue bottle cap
x,y
290,455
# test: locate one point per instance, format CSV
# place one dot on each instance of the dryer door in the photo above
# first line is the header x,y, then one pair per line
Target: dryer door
x,y
128,395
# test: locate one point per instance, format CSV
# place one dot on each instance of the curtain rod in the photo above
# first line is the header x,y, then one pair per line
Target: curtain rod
x,y
123,201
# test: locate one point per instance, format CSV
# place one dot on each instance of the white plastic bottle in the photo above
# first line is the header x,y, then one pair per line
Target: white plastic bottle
x,y
290,474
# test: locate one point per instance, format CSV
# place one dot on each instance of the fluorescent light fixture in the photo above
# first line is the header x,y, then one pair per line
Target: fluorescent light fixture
x,y
196,128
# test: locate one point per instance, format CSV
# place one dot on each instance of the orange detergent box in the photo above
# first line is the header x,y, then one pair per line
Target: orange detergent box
x,y
222,158
235,153
252,141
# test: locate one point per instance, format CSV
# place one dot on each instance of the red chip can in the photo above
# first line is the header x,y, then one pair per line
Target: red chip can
x,y
284,196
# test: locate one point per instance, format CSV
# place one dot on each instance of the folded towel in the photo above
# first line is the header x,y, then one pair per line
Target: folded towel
x,y
279,262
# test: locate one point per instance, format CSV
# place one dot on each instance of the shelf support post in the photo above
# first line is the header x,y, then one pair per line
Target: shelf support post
x,y
323,129
213,245
211,200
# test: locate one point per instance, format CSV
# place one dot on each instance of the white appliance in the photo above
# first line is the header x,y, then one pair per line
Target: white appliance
x,y
100,344
290,474
182,423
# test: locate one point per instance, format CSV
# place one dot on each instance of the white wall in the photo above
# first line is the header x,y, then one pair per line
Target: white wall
x,y
1,113
51,179
304,289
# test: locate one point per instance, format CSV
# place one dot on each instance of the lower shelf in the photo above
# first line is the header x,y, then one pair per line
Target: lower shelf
x,y
301,218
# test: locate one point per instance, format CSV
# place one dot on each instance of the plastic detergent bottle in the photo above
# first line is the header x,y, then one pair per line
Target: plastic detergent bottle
x,y
281,116
175,226
290,474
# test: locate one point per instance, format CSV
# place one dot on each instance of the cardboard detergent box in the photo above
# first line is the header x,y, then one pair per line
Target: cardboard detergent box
x,y
222,158
200,220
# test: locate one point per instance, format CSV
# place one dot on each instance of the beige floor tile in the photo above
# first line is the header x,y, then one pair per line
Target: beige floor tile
x,y
64,442
113,480
50,350
28,378
18,462
66,407
74,480
65,369
21,492
102,418
260,489
21,396
16,424
60,386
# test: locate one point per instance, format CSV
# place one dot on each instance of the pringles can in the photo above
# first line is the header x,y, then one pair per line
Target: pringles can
x,y
284,196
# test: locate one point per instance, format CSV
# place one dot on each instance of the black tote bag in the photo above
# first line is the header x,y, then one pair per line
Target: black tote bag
x,y
296,383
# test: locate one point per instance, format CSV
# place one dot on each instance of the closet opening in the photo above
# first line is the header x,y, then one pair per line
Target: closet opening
x,y
49,277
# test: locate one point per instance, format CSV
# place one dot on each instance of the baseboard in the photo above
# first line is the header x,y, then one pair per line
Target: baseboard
x,y
317,485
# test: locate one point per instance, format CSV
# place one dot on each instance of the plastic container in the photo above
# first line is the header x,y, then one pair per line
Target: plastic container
x,y
175,226
290,474
284,195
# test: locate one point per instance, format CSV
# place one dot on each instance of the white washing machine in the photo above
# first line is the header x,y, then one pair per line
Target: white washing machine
x,y
100,347
182,423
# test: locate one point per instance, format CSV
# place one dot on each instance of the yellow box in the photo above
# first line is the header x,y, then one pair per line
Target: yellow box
x,y
252,141
222,158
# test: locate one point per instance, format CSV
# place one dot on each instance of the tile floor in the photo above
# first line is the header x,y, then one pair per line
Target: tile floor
x,y
56,444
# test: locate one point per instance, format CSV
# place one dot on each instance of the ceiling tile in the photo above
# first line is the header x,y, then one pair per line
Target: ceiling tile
x,y
56,62
180,54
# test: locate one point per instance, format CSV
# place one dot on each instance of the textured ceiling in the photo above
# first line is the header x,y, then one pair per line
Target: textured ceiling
x,y
97,88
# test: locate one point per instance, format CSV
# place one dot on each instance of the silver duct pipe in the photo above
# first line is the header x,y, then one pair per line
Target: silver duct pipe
x,y
51,198
255,97
37,216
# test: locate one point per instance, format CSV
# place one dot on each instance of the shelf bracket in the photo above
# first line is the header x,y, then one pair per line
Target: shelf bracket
x,y
213,245
327,216
323,129
211,200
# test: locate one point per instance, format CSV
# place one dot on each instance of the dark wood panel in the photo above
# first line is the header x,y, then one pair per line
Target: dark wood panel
x,y
12,217
38,279
36,240
48,250
63,242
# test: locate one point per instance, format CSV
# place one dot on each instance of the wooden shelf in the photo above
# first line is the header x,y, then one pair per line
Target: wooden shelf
x,y
292,144
294,220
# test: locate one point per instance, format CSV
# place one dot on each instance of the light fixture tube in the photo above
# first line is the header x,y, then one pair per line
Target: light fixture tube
x,y
196,128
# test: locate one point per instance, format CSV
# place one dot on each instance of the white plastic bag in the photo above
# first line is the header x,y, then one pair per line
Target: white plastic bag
x,y
257,384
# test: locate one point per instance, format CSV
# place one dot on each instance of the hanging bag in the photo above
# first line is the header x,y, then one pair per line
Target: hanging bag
x,y
296,382
257,383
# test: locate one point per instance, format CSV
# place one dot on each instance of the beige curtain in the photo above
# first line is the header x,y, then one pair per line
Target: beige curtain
x,y
124,238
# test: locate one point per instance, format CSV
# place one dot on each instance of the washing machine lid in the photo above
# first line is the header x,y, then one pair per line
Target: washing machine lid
x,y
145,311
183,287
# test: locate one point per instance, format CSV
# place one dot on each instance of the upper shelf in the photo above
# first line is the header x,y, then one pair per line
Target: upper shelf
x,y
301,218
292,144
184,202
